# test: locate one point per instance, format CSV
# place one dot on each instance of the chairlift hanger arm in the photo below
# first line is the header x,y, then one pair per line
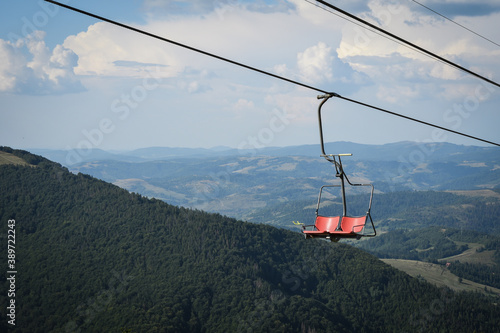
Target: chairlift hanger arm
x,y
329,157
324,98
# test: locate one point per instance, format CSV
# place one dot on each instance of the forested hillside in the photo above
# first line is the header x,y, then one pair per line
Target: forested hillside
x,y
92,257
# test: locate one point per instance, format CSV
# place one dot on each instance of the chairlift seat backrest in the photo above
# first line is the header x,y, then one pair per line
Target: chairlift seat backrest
x,y
353,224
348,224
327,223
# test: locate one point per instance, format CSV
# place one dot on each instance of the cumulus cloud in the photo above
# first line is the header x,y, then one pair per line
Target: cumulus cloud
x,y
106,50
389,63
315,63
12,66
29,66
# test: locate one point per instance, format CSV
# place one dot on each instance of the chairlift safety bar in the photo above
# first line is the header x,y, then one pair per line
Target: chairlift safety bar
x,y
333,155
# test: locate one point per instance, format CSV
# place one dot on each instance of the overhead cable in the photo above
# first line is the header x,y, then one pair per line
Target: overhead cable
x,y
182,45
419,121
421,49
367,28
259,70
460,25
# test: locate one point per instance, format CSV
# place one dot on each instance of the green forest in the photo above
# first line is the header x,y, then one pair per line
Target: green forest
x,y
91,257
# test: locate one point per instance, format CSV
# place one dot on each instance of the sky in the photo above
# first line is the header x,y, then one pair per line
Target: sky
x,y
68,81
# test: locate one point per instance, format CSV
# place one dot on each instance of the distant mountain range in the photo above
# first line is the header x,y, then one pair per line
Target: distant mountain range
x,y
239,183
407,151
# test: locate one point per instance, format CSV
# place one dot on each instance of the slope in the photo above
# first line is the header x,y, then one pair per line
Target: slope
x,y
440,276
8,158
93,257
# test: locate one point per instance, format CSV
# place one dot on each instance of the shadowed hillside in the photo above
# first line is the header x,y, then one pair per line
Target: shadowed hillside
x,y
93,257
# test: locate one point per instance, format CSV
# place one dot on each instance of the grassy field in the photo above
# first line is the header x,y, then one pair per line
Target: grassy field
x,y
477,193
6,158
472,256
439,275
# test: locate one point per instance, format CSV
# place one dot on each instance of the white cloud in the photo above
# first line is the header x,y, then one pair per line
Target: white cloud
x,y
106,50
315,63
243,104
392,64
29,67
12,66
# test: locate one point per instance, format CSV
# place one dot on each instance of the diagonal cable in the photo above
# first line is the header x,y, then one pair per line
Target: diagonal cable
x,y
455,22
261,71
183,45
418,121
421,49
367,28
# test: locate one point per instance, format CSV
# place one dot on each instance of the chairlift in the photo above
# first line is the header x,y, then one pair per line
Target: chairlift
x,y
345,226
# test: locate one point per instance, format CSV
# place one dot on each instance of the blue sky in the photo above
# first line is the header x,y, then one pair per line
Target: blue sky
x,y
71,82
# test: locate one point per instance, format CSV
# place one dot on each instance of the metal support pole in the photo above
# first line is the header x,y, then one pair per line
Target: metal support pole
x,y
342,187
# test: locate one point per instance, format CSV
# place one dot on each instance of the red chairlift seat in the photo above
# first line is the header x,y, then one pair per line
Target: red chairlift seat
x,y
327,227
345,226
337,227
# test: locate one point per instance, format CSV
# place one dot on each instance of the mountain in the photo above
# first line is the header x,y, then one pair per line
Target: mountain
x,y
405,151
75,156
90,256
243,183
163,153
